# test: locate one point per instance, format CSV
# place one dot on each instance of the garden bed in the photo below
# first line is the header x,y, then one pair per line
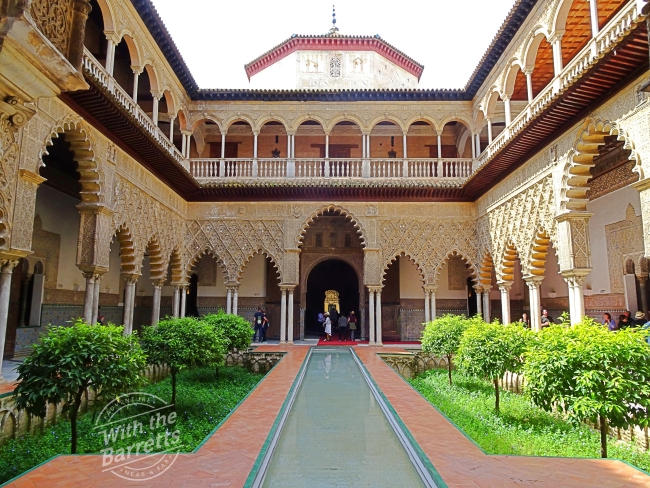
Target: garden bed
x,y
521,428
202,403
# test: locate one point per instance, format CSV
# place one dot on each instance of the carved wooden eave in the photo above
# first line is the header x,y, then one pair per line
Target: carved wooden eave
x,y
45,72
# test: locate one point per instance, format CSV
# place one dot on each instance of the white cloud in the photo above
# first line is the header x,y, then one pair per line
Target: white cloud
x,y
216,38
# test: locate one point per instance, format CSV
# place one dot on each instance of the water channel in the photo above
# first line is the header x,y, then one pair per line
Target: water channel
x,y
338,431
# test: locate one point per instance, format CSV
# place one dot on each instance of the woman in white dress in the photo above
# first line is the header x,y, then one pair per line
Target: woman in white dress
x,y
328,327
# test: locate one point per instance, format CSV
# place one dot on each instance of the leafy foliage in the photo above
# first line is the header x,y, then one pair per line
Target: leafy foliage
x,y
202,403
181,343
236,330
442,337
521,428
489,350
68,360
590,373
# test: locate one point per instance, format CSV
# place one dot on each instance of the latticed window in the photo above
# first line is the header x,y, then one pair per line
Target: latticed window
x,y
335,67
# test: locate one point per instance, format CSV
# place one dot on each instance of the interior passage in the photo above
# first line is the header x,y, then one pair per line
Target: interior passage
x,y
336,433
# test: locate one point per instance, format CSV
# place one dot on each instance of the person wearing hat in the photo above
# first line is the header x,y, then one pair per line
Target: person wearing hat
x,y
639,319
352,323
328,327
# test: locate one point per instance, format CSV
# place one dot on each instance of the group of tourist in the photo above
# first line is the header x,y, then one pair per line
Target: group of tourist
x,y
545,321
625,320
345,325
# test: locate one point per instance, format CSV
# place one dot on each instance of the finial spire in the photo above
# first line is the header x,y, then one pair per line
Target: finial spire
x,y
334,29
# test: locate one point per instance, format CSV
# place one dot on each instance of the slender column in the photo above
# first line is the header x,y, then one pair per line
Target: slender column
x,y
434,309
529,85
427,313
474,155
378,318
643,289
283,316
363,146
229,300
129,300
557,54
98,282
489,127
371,316
293,145
5,290
175,301
110,55
486,303
255,145
136,75
290,316
235,300
593,11
479,300
504,288
156,102
289,138
157,292
404,145
89,297
506,106
183,292
171,127
535,302
184,144
478,144
576,297
327,146
223,146
439,146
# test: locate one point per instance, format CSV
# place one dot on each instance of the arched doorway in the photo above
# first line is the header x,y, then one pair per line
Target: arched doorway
x,y
330,275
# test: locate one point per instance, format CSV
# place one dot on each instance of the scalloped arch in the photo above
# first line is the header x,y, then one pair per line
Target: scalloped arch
x,y
411,258
194,260
251,255
331,208
468,262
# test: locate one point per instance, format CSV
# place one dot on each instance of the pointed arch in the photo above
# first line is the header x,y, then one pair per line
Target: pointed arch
x,y
335,209
83,147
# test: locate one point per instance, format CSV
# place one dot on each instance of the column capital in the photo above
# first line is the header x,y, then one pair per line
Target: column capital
x,y
478,288
284,287
157,94
533,280
112,36
187,133
375,288
137,70
97,208
487,288
642,276
504,285
506,97
431,288
158,283
564,216
130,278
556,36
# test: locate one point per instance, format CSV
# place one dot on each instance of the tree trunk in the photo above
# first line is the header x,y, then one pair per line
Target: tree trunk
x,y
603,437
449,368
216,371
496,393
74,409
173,371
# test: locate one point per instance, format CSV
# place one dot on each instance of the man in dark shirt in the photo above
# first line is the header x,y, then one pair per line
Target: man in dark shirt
x,y
258,324
639,319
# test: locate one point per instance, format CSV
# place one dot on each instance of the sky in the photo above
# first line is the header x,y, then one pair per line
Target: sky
x,y
217,37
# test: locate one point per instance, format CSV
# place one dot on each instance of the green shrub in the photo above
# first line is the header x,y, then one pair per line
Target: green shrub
x,y
68,360
590,373
442,337
236,330
182,343
489,350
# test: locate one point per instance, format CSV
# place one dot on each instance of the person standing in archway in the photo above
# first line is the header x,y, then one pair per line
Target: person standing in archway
x,y
328,327
258,324
343,328
352,323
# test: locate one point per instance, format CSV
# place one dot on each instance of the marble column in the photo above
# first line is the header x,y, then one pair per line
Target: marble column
x,y
427,314
110,56
183,292
486,302
378,337
371,316
290,316
136,75
172,118
439,146
593,14
129,301
433,310
506,106
479,300
89,296
529,85
504,288
576,297
175,301
235,300
5,289
327,146
556,43
229,300
155,310
489,128
283,315
534,284
98,283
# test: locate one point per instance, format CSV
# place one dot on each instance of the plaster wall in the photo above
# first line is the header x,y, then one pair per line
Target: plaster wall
x,y
410,279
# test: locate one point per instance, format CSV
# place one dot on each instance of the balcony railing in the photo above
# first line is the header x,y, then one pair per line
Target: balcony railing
x,y
621,24
99,73
311,168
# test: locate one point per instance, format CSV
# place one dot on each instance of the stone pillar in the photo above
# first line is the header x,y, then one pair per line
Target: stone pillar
x,y
156,103
473,138
478,144
486,302
371,316
327,146
223,145
290,316
289,138
98,282
129,301
175,301
283,315
506,106
504,288
186,143
489,128
433,308
110,55
235,300
5,289
172,118
157,292
529,85
575,281
80,11
427,313
136,76
229,300
593,14
479,300
439,146
643,288
254,170
378,337
556,42
89,297
404,145
183,292
534,283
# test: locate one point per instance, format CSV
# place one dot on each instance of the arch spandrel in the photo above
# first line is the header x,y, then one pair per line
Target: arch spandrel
x,y
469,261
358,225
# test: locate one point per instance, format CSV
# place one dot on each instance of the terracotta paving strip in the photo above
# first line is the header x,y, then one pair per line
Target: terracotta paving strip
x,y
462,464
7,386
225,460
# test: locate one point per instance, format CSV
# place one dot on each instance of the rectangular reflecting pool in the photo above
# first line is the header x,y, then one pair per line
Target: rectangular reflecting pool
x,y
336,433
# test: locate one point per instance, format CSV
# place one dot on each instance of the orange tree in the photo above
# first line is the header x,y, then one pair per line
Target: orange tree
x,y
442,337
